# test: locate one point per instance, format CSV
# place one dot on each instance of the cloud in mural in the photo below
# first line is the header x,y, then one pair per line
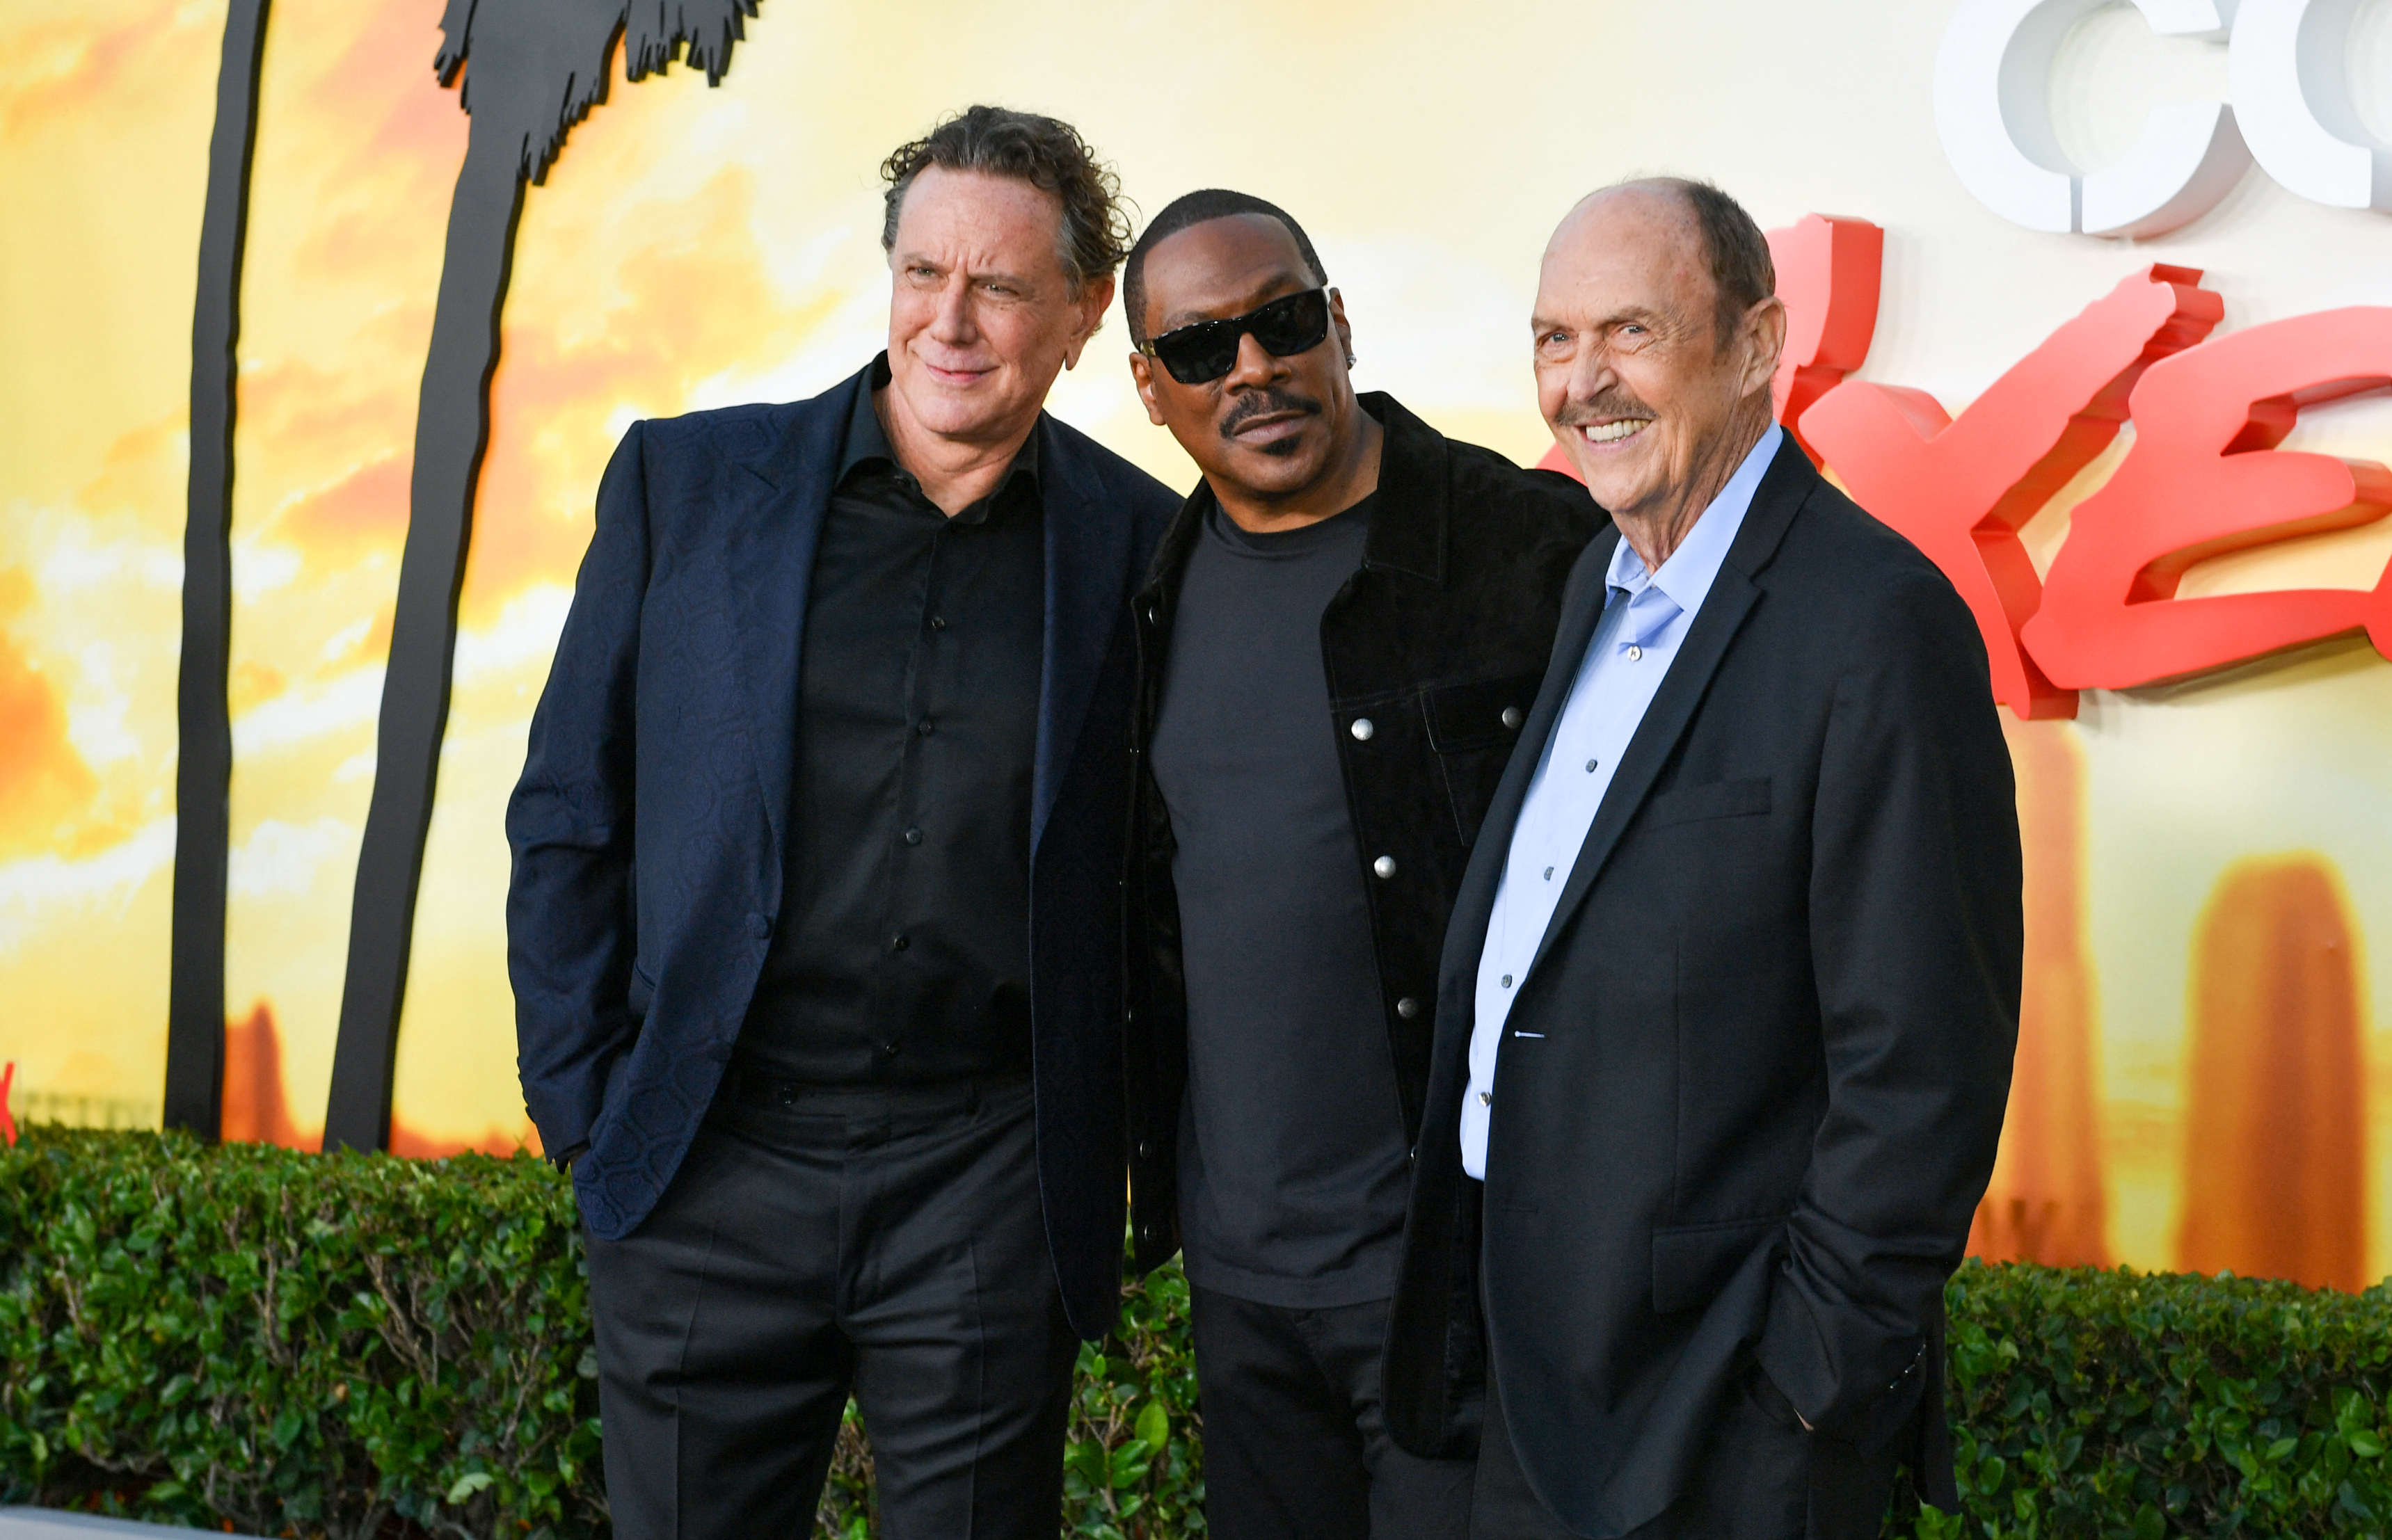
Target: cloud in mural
x,y
298,716
281,858
45,889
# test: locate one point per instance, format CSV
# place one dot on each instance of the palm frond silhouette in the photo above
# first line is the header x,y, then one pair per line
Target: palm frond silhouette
x,y
531,70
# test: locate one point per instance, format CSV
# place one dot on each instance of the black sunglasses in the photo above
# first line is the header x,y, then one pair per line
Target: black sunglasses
x,y
1201,353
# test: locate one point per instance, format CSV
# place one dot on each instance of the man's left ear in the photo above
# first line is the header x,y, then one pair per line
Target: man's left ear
x,y
1765,333
1094,300
1345,332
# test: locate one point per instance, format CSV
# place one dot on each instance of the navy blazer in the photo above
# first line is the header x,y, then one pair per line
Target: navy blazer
x,y
650,825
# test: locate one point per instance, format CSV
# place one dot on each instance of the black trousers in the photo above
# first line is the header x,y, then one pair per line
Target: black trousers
x,y
814,1243
1764,1479
1295,1437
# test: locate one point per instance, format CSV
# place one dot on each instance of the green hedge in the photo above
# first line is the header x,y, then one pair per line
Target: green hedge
x,y
354,1347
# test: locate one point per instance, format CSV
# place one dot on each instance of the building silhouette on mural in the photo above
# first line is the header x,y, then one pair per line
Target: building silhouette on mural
x,y
2047,1202
255,1111
2275,1134
527,71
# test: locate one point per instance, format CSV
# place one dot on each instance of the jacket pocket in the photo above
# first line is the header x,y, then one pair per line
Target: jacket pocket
x,y
1716,799
1691,1262
1474,727
1481,714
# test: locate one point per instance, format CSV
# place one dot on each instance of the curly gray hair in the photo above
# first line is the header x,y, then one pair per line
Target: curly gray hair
x,y
1045,153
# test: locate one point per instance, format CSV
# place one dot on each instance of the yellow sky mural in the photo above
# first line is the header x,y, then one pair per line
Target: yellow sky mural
x,y
355,152
104,115
695,246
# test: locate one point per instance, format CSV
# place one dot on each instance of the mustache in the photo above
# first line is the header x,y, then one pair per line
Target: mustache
x,y
1613,404
1264,403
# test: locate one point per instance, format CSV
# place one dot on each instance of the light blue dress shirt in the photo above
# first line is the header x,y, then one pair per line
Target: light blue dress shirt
x,y
1646,617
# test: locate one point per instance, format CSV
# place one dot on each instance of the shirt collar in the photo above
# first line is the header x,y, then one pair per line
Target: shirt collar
x,y
867,440
1686,576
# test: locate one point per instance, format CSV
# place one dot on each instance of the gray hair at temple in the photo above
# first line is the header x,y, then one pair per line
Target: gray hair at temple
x,y
1737,254
1045,152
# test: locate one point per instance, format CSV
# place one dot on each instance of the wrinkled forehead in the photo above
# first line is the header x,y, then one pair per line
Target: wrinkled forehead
x,y
979,221
1219,268
1633,245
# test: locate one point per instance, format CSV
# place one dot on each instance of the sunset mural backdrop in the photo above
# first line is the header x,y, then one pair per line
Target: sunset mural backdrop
x,y
2204,1077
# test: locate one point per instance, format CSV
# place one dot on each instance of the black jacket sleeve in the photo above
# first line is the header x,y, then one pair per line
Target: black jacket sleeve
x,y
1915,937
571,933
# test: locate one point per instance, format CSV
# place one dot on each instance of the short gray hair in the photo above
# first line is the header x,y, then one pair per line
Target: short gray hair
x,y
1045,152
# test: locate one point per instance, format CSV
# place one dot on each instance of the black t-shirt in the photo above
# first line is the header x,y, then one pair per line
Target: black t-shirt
x,y
901,952
1291,1172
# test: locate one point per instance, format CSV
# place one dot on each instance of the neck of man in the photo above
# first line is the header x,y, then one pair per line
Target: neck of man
x,y
1658,528
1349,474
955,473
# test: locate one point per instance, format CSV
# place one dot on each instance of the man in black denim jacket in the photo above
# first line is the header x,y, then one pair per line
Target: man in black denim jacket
x,y
1341,636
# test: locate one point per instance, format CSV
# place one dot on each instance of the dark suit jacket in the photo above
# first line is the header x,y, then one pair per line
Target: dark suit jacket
x,y
1778,998
649,826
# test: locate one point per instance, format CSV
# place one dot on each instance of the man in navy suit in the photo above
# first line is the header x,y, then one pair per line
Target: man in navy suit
x,y
815,921
1727,1004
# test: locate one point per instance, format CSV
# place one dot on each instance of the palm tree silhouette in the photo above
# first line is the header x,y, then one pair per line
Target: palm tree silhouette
x,y
533,69
195,1018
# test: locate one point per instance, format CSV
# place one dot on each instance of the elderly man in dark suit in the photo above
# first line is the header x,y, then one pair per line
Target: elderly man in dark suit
x,y
1729,997
815,923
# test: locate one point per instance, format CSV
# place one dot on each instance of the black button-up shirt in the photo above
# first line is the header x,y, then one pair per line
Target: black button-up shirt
x,y
902,951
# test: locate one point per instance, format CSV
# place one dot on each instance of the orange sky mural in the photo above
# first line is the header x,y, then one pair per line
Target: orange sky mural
x,y
694,247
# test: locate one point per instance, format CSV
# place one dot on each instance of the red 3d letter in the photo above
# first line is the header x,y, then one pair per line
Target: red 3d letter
x,y
1827,273
1960,491
2203,478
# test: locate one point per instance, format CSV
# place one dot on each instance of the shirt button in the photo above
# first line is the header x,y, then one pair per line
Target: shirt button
x,y
938,623
913,836
899,941
1549,873
1487,1098
1507,977
1407,1007
1385,866
1512,717
923,727
1146,1149
1590,766
889,1048
1362,729
1635,653
759,927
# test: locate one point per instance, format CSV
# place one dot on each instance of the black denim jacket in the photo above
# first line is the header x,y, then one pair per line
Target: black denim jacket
x,y
1433,650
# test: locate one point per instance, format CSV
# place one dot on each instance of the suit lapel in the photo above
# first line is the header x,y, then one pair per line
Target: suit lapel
x,y
1733,593
1088,559
1465,934
772,563
1475,902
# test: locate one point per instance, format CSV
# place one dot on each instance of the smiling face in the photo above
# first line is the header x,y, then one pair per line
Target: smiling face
x,y
981,316
1632,375
1273,431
